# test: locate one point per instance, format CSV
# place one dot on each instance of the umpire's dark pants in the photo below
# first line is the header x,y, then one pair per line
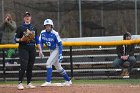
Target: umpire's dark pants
x,y
27,58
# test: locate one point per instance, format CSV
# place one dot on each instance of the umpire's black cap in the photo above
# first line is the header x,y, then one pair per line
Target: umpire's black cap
x,y
27,14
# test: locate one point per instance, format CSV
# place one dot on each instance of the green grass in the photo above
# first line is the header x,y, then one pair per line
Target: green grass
x,y
97,81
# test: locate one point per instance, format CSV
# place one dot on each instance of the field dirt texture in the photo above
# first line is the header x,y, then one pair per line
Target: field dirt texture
x,y
75,88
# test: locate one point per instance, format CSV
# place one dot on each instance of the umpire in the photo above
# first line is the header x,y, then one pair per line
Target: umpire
x,y
27,50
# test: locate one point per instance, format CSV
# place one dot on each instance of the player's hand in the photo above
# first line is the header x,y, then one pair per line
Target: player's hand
x,y
60,58
23,38
7,20
41,54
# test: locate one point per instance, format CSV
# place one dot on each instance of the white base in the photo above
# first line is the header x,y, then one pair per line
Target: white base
x,y
56,84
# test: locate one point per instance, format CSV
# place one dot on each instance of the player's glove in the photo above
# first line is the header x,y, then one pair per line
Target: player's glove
x,y
60,58
28,36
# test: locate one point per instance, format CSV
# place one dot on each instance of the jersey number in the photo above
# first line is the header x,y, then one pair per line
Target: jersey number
x,y
48,43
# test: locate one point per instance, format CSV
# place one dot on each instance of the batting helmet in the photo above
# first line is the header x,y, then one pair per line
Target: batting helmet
x,y
48,22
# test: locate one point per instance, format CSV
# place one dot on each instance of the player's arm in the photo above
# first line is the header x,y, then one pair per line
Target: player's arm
x,y
60,51
12,25
41,41
59,43
60,48
18,35
39,45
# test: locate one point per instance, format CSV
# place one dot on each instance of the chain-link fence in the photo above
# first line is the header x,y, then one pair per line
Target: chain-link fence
x,y
79,18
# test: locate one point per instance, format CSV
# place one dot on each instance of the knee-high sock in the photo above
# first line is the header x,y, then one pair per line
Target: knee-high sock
x,y
49,75
65,75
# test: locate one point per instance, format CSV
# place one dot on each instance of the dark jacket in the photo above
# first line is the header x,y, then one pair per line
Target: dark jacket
x,y
21,29
125,50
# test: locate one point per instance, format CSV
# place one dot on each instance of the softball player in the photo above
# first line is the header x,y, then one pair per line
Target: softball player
x,y
27,51
51,38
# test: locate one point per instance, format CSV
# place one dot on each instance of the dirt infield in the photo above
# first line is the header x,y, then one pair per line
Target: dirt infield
x,y
75,88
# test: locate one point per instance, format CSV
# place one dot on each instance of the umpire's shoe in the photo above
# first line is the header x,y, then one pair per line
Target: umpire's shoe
x,y
30,86
20,86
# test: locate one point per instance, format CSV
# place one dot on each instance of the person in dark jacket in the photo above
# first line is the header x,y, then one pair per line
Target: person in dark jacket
x,y
125,54
27,50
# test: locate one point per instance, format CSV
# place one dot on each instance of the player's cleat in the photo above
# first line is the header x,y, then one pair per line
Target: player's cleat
x,y
46,84
30,86
67,83
20,86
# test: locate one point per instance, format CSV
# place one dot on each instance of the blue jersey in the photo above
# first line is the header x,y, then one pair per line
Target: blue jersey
x,y
51,39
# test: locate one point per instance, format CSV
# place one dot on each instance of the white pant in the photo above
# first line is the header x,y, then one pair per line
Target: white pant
x,y
53,60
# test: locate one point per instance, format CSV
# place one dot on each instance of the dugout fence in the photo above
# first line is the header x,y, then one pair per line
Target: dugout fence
x,y
81,60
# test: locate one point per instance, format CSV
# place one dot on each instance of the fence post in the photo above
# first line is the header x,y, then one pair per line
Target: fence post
x,y
4,68
71,62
